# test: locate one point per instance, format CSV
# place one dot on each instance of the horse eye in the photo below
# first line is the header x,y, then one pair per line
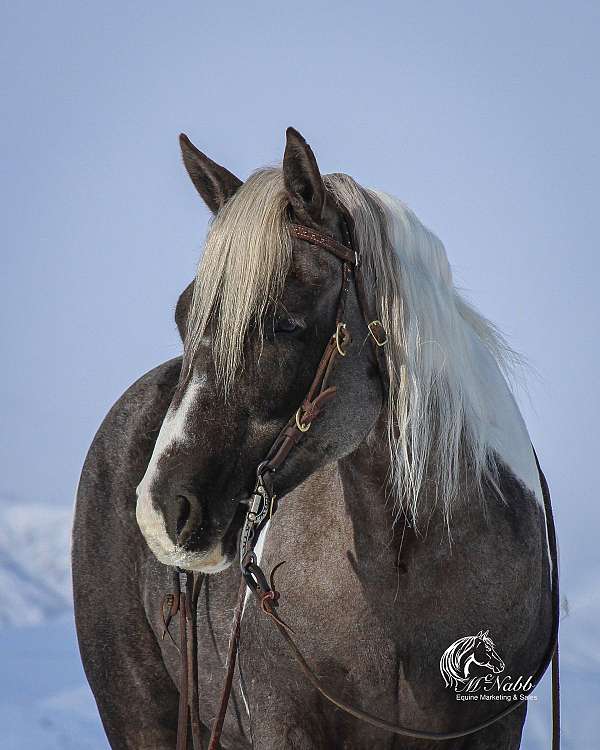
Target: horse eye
x,y
285,325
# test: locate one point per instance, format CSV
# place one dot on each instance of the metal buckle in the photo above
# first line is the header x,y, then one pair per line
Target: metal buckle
x,y
340,326
302,427
375,339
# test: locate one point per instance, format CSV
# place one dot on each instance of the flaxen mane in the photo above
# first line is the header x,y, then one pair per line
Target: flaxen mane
x,y
439,346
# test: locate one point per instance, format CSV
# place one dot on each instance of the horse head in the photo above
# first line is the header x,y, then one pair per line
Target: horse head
x,y
255,324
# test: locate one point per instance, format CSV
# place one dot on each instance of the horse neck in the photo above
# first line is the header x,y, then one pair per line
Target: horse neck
x,y
363,473
383,535
376,538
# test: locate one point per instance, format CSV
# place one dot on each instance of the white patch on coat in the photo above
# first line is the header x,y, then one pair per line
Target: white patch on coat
x,y
258,551
507,433
505,429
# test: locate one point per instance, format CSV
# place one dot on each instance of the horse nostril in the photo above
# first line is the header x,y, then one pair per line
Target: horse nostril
x,y
183,513
188,517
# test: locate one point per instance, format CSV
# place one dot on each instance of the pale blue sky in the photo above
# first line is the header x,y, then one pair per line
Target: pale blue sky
x,y
483,117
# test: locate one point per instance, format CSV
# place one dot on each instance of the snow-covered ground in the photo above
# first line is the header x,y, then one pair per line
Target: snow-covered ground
x,y
45,702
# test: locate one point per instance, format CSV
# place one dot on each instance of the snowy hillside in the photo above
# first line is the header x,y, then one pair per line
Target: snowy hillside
x,y
45,701
35,580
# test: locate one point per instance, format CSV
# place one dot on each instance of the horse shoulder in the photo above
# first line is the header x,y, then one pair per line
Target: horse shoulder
x,y
122,446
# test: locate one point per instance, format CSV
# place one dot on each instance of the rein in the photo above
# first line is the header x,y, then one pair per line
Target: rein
x,y
262,504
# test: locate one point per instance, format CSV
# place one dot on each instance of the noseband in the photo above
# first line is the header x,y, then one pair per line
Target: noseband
x,y
262,504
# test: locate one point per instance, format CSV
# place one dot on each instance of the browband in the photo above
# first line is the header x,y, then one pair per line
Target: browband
x,y
326,242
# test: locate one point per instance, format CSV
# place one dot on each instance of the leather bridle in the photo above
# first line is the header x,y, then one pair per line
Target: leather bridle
x,y
262,504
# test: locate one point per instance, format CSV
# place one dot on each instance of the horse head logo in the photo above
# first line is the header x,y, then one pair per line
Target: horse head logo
x,y
474,650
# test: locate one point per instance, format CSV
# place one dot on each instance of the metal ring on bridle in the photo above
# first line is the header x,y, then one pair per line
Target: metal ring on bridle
x,y
338,345
261,469
299,424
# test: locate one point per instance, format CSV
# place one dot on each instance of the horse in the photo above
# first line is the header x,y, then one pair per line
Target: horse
x,y
410,513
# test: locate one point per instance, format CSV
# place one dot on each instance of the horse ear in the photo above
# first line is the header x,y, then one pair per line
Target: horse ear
x,y
302,178
485,635
215,184
182,309
479,634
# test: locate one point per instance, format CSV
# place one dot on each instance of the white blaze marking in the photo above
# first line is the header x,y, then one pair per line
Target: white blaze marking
x,y
150,520
173,429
